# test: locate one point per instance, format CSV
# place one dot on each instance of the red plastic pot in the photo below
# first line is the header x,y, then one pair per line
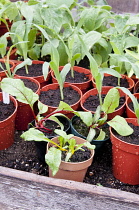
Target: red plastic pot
x,y
7,127
129,112
24,114
129,80
55,86
3,28
40,79
2,73
125,158
105,90
84,86
136,87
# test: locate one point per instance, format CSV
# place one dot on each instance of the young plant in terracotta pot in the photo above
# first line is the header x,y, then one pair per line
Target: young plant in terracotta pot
x,y
63,154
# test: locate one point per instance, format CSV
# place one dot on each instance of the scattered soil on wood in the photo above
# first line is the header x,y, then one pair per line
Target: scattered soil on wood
x,y
92,102
6,110
53,97
133,138
23,156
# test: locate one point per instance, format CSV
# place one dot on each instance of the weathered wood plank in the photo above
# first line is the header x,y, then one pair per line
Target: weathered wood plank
x,y
23,190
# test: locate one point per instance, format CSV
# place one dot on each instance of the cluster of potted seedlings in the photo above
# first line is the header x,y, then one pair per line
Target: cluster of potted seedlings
x,y
68,110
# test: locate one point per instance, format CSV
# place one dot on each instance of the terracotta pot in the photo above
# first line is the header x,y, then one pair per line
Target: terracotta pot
x,y
24,114
40,79
69,170
84,86
129,112
130,81
55,86
136,87
105,89
2,73
7,127
98,143
125,158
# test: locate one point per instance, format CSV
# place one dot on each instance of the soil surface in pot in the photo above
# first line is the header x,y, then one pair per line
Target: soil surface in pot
x,y
113,81
53,97
6,110
29,84
78,77
133,138
79,155
3,66
33,71
92,102
22,155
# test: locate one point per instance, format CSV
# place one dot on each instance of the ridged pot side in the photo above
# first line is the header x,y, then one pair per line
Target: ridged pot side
x,y
125,158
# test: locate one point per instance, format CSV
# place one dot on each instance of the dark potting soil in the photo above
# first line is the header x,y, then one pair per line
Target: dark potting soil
x,y
22,155
29,84
113,81
4,66
53,97
6,110
92,102
133,138
33,71
79,155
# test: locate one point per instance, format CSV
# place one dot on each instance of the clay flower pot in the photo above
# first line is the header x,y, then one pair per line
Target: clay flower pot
x,y
72,171
24,114
98,143
7,127
40,78
125,158
129,112
105,90
131,82
2,73
55,86
83,86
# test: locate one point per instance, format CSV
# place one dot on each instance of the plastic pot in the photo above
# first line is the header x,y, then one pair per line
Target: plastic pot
x,y
125,159
98,143
84,86
7,127
72,171
24,113
2,73
105,89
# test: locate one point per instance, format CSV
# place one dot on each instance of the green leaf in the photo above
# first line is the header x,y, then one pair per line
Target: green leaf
x,y
91,134
101,136
65,71
34,135
111,101
53,159
42,108
119,124
86,117
88,145
16,88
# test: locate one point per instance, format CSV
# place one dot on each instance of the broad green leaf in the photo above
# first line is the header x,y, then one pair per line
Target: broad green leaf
x,y
86,117
63,134
42,108
119,124
133,54
55,119
34,135
53,159
64,106
16,88
111,101
25,62
65,71
110,71
131,42
101,136
91,134
99,79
